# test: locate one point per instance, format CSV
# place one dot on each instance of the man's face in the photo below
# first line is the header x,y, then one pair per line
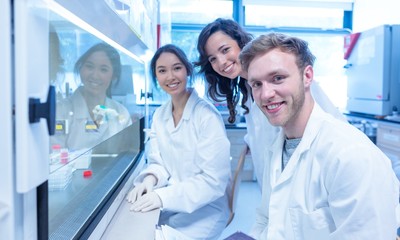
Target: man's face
x,y
278,86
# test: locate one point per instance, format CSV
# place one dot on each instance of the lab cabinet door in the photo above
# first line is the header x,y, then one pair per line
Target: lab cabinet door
x,y
7,216
31,82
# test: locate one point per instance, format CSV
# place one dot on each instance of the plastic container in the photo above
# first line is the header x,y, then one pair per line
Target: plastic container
x,y
64,155
60,179
55,154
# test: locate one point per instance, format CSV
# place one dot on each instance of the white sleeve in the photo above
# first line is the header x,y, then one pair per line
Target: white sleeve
x,y
212,157
155,161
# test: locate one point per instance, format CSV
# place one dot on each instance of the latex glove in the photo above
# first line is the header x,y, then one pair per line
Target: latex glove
x,y
145,187
102,114
147,202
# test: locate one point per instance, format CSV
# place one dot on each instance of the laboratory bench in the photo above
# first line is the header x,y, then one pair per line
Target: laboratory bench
x,y
88,201
384,132
84,194
70,208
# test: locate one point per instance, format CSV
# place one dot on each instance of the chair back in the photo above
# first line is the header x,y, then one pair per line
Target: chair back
x,y
237,178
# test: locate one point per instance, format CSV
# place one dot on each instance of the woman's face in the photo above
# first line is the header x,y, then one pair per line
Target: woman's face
x,y
223,55
97,73
171,74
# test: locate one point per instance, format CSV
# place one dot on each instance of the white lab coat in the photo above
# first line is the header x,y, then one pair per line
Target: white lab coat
x,y
261,134
192,164
336,185
74,112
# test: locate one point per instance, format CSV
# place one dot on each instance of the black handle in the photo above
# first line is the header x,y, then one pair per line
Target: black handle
x,y
45,110
146,95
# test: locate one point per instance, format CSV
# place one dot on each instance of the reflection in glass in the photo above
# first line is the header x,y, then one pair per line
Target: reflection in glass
x,y
99,124
89,115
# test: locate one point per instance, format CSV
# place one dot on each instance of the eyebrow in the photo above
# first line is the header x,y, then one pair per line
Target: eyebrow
x,y
222,46
218,49
175,64
106,65
270,74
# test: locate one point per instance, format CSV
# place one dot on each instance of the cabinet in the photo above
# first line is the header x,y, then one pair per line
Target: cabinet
x,y
236,138
388,140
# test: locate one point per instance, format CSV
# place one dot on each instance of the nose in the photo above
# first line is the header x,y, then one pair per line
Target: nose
x,y
170,75
221,60
267,91
95,73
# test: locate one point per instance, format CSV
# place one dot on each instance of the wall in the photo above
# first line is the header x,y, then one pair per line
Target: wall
x,y
371,13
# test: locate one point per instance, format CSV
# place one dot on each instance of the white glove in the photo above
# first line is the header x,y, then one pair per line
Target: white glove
x,y
145,187
103,114
147,202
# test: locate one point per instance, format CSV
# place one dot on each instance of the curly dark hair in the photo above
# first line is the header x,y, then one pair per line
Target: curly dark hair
x,y
221,88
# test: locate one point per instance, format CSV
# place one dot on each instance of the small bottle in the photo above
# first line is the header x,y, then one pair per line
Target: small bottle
x,y
55,153
64,155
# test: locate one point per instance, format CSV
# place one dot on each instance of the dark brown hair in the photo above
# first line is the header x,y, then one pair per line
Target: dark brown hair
x,y
221,88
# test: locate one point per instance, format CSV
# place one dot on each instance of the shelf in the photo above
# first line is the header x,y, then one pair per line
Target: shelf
x,y
100,17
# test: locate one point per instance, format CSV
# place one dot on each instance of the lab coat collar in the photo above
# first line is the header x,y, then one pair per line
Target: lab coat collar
x,y
189,107
79,104
80,107
310,133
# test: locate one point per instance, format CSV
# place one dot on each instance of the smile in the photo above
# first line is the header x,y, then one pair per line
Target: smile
x,y
272,106
227,69
93,83
172,85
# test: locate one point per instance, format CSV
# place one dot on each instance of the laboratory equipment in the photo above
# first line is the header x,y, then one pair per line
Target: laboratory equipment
x,y
373,72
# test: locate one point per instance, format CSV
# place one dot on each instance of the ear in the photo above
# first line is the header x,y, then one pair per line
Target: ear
x,y
308,76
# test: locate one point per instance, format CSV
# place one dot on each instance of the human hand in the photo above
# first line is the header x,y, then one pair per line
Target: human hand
x,y
103,114
145,187
147,202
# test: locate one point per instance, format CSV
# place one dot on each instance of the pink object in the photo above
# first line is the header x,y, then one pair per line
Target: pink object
x,y
56,147
64,156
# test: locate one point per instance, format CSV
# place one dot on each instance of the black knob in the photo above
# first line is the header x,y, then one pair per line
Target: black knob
x,y
45,110
146,95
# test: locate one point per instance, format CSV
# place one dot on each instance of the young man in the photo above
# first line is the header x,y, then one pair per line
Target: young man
x,y
324,179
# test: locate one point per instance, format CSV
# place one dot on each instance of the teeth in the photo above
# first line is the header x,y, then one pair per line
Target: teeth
x,y
273,106
228,68
173,85
94,83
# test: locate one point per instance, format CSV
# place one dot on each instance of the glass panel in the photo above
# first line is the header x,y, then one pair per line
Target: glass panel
x,y
199,12
282,16
187,40
98,123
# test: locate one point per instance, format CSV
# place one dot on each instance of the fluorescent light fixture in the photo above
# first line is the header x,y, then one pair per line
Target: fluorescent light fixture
x,y
61,11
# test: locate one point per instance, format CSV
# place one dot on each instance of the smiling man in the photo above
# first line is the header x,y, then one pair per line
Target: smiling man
x,y
323,179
